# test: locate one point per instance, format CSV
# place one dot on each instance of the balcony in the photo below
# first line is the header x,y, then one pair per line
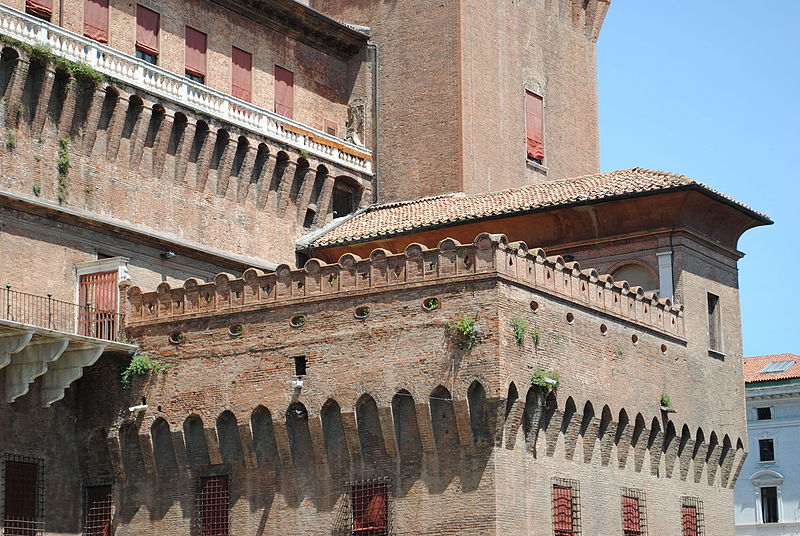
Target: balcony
x,y
183,91
40,336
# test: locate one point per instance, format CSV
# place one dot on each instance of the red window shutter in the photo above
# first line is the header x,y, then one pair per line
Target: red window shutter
x,y
39,8
533,125
195,52
95,20
98,300
370,509
284,92
689,520
147,23
631,518
563,519
242,79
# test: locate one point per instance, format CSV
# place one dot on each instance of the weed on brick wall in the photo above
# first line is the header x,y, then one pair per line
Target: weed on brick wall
x,y
141,365
519,326
63,168
548,379
464,332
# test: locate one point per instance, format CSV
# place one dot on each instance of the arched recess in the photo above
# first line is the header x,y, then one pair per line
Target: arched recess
x,y
569,427
637,274
98,459
346,196
301,172
194,436
370,434
262,156
639,442
712,457
242,147
605,435
726,460
443,419
512,417
132,459
478,414
622,438
163,449
281,164
738,463
230,444
156,120
670,448
9,60
135,107
202,132
698,454
179,123
655,443
299,435
264,444
335,440
406,427
588,431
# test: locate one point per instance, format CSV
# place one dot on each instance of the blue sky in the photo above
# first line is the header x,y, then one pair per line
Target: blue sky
x,y
711,89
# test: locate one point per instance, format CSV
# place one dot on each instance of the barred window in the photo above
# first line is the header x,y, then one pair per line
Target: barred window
x,y
23,496
691,516
212,506
98,511
566,507
633,513
370,501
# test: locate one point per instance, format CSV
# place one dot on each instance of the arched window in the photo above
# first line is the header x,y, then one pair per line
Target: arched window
x,y
637,276
345,197
767,486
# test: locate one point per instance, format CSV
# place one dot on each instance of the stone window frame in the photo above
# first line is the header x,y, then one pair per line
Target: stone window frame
x,y
766,478
118,263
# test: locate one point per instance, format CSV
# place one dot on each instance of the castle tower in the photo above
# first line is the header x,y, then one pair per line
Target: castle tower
x,y
454,76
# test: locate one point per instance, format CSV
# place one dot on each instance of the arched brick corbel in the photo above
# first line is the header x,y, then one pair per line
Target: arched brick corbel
x,y
116,124
161,142
139,134
265,182
285,186
317,440
93,118
282,443
464,428
223,175
212,440
179,446
183,146
14,92
43,100
303,196
323,205
351,436
69,106
245,173
204,159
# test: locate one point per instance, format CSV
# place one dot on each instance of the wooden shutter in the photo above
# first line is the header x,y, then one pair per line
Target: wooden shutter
x,y
242,79
95,20
689,520
533,126
195,52
631,517
98,300
39,8
284,92
563,519
147,23
370,509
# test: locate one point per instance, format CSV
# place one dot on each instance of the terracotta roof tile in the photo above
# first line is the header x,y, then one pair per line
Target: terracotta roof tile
x,y
400,217
754,365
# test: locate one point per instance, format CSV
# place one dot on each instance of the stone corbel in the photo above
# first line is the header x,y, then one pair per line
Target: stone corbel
x,y
30,363
65,370
11,344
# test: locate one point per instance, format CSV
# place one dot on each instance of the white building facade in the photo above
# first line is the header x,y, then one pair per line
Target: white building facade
x,y
767,494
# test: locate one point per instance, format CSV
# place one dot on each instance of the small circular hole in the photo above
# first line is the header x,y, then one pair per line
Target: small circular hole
x,y
234,330
176,337
663,348
570,318
362,312
635,339
431,304
534,306
603,329
297,321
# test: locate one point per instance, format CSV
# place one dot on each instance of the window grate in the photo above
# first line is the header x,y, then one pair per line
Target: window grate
x,y
23,496
212,506
633,513
370,503
99,504
692,522
566,507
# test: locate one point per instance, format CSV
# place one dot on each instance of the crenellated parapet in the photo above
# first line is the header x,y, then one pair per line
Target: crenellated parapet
x,y
488,256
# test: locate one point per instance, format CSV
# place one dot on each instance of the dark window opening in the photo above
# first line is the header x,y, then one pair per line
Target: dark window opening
x,y
308,221
566,513
714,326
769,504
98,511
764,414
343,200
196,78
300,365
370,501
766,450
145,56
212,506
23,504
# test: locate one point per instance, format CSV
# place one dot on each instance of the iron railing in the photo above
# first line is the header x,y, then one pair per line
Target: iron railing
x,y
49,313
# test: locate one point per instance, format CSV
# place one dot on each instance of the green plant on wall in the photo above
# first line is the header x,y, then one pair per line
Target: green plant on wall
x,y
519,326
11,139
141,365
63,165
548,379
37,190
536,336
666,401
464,332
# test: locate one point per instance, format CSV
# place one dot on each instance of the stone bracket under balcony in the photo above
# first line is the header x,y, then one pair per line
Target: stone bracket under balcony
x,y
28,352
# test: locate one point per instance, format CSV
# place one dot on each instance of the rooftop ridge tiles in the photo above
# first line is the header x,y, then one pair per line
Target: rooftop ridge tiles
x,y
489,254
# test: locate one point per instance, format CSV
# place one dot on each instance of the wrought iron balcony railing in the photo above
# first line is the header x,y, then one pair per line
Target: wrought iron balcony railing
x,y
46,312
181,90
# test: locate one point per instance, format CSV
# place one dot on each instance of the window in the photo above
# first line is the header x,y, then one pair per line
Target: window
x,y
566,518
534,132
23,496
691,517
714,327
370,501
777,366
212,506
769,504
147,27
284,92
195,55
98,511
343,199
766,450
39,8
241,78
95,20
763,414
330,127
300,365
633,513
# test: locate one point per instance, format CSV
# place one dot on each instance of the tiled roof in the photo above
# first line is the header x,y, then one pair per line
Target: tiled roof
x,y
405,216
754,365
